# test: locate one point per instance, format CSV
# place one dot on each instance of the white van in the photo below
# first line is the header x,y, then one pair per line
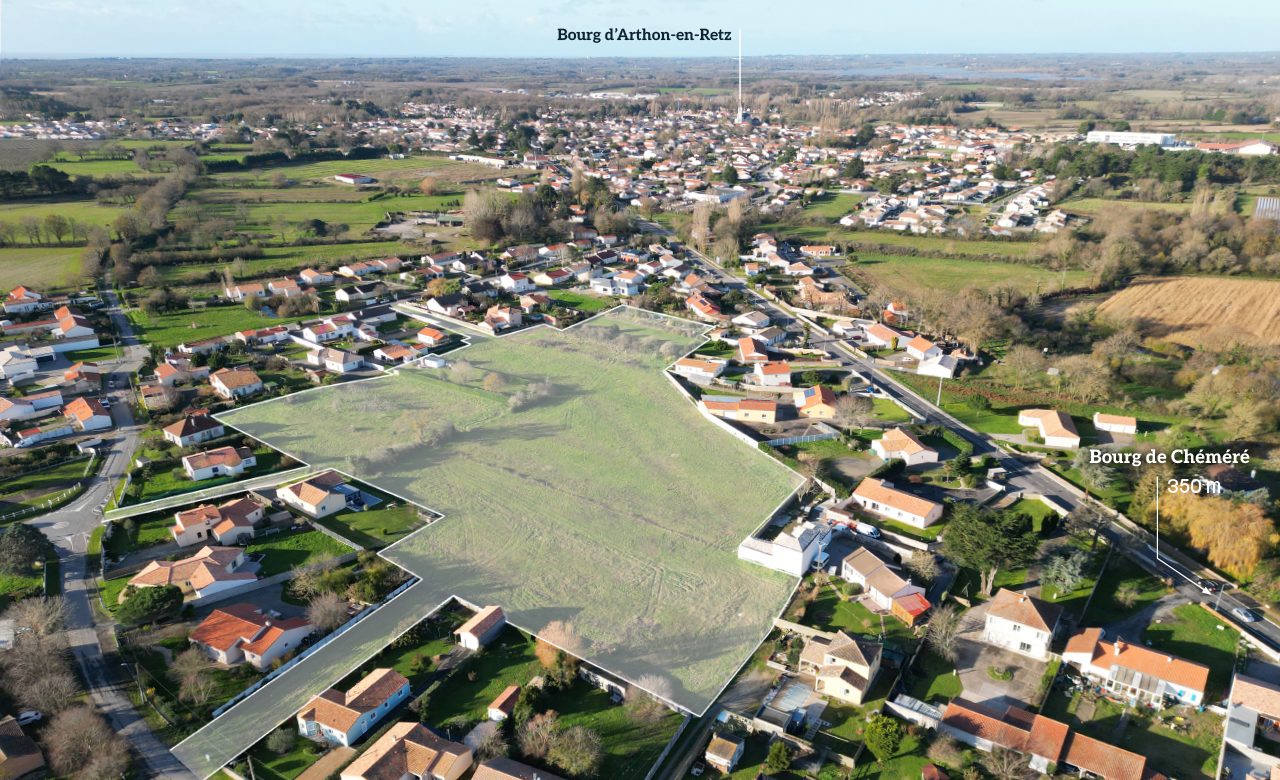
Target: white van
x,y
867,530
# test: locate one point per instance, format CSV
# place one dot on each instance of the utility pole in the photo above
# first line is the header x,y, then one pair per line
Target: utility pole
x,y
938,403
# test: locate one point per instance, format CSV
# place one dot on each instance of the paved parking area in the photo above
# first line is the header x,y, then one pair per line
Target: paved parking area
x,y
975,657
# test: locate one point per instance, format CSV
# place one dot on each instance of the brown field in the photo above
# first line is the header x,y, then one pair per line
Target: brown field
x,y
1201,311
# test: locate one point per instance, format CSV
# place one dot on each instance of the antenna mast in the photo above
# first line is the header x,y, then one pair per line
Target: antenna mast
x,y
741,113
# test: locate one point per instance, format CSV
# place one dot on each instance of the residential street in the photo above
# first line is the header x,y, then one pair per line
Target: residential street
x,y
70,527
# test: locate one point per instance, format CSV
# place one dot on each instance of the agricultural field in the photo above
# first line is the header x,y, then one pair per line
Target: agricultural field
x,y
1091,206
384,171
953,246
834,205
286,260
1201,311
650,502
359,214
86,211
897,272
41,267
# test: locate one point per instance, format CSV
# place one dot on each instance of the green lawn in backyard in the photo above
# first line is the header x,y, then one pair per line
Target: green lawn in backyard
x,y
40,267
13,583
933,678
630,748
889,411
164,483
270,766
294,548
968,583
906,764
845,720
1118,495
148,530
377,526
95,355
437,640
583,301
1121,571
852,617
1191,753
508,661
1198,635
227,683
111,590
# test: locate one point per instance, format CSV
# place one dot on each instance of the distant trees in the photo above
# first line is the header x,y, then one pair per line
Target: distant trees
x,y
1235,535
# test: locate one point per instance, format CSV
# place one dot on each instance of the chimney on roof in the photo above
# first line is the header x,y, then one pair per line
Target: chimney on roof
x,y
1118,646
1168,659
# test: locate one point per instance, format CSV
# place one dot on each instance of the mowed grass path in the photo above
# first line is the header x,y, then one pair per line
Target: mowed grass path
x,y
609,503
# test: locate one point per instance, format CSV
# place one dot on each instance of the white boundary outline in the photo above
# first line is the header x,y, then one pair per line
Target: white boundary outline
x,y
382,552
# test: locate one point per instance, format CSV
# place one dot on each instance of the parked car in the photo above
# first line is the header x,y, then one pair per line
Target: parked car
x,y
1245,615
1210,586
28,718
698,769
867,530
111,383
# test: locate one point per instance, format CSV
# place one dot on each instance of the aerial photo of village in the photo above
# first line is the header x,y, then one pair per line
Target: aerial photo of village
x,y
620,392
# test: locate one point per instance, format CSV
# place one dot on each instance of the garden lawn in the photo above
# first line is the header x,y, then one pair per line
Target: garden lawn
x,y
377,526
630,748
906,764
111,590
1037,509
851,617
845,719
170,330
933,677
889,411
1191,754
41,267
1121,571
968,583
583,301
1074,601
508,661
294,548
270,766
96,355
11,584
834,205
44,480
1198,635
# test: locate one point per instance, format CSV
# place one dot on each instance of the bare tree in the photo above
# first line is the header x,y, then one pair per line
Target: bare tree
x,y
943,631
308,580
577,751
82,745
38,617
1006,764
641,699
854,410
538,734
326,612
191,671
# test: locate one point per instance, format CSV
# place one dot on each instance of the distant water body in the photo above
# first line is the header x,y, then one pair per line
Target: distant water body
x,y
954,73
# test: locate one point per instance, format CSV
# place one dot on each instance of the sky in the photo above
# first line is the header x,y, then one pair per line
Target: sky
x,y
507,28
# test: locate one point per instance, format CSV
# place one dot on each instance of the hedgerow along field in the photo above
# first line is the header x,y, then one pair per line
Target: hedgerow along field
x,y
604,501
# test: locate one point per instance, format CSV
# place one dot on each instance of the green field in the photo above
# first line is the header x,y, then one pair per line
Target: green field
x,y
85,211
953,246
583,301
330,168
359,214
40,267
1091,206
277,262
607,501
834,205
909,274
170,330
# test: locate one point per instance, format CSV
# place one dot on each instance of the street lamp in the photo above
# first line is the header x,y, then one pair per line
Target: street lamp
x,y
1217,606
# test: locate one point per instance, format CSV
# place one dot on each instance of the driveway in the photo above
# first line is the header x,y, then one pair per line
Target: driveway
x,y
975,657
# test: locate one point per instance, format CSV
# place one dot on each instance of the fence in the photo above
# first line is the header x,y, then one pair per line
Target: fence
x,y
266,480
827,433
61,498
334,535
339,631
670,744
737,434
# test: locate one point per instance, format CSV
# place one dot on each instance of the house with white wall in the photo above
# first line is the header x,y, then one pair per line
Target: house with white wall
x,y
342,718
241,633
791,553
880,497
903,445
1022,624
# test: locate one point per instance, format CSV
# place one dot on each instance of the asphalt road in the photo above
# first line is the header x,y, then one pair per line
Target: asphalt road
x,y
70,527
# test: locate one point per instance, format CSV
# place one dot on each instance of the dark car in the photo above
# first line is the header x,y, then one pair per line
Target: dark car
x,y
1210,586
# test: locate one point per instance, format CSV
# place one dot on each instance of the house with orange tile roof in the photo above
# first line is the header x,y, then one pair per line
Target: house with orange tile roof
x,y
228,524
242,633
742,409
817,403
432,337
395,353
87,414
751,350
209,571
88,373
1115,423
509,769
316,496
482,628
411,751
222,462
242,291
772,373
500,708
1056,428
885,585
882,498
699,369
903,445
342,718
724,751
196,427
1021,623
1049,743
1253,706
844,667
1133,671
922,348
703,307
881,336
235,382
